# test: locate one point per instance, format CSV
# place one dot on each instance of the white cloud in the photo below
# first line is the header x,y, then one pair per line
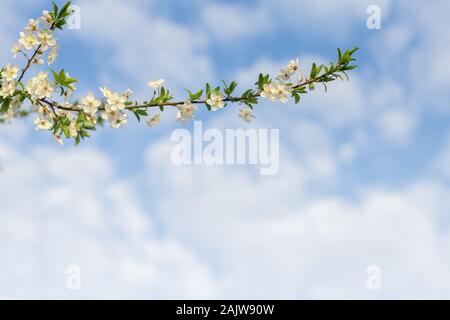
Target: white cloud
x,y
397,125
143,46
267,239
414,49
231,22
393,42
224,232
319,15
343,104
62,208
347,152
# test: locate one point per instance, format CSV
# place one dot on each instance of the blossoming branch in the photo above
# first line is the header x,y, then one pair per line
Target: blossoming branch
x,y
74,120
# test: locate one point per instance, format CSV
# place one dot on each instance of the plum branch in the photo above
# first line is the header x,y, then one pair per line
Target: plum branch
x,y
75,120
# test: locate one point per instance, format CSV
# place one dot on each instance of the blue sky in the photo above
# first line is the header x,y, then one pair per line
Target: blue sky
x,y
364,174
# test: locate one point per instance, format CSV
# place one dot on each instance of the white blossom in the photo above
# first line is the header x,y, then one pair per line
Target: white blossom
x,y
127,94
120,120
53,55
216,101
32,26
286,73
156,84
115,101
276,91
186,112
27,41
154,121
8,89
10,72
73,131
90,104
43,124
39,87
58,139
106,92
46,18
38,60
46,39
15,50
246,115
115,118
293,66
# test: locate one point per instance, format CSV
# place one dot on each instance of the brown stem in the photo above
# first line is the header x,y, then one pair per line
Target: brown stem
x,y
29,63
55,104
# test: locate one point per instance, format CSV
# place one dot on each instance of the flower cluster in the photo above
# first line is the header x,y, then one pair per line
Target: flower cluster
x,y
9,75
115,103
38,34
186,112
39,87
281,89
14,106
276,91
10,72
38,37
246,114
75,120
90,104
216,101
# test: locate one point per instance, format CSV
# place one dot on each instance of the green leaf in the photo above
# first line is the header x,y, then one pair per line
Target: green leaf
x,y
194,96
5,105
64,11
55,10
296,97
66,131
100,121
55,75
230,89
90,127
263,80
140,112
315,71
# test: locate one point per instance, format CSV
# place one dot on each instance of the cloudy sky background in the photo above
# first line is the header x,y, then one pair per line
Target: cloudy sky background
x,y
364,169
